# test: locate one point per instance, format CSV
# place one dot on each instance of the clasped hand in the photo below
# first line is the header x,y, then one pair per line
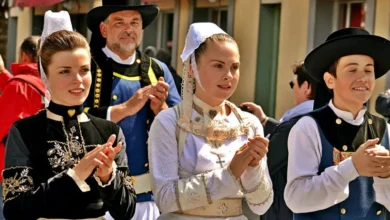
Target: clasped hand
x,y
101,157
157,94
372,160
250,154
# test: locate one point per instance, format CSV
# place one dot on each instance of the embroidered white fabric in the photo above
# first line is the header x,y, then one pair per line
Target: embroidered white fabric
x,y
53,22
198,158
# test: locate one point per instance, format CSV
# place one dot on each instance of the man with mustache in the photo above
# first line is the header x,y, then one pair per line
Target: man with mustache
x,y
129,88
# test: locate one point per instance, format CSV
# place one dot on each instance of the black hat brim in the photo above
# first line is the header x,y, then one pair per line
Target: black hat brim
x,y
95,16
323,57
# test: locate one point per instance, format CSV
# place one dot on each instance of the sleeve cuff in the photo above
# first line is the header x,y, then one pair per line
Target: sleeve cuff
x,y
347,169
112,176
83,186
251,177
109,113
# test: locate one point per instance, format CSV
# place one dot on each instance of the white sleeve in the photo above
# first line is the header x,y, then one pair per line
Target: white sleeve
x,y
109,113
304,185
382,186
170,192
83,186
257,187
256,182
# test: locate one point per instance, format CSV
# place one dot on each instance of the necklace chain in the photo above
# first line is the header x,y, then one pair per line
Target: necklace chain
x,y
68,139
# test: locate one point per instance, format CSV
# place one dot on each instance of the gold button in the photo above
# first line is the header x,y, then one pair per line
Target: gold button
x,y
338,121
343,211
378,212
96,106
114,97
97,96
147,122
98,80
97,85
138,61
345,148
370,121
97,90
146,164
99,70
99,75
96,101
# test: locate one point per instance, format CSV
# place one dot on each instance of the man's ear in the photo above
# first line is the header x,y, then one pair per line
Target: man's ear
x,y
103,29
307,88
329,80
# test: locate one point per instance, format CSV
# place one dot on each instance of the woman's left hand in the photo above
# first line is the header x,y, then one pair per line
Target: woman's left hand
x,y
105,159
258,148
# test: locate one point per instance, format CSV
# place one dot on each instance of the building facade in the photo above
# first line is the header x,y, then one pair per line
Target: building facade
x,y
273,35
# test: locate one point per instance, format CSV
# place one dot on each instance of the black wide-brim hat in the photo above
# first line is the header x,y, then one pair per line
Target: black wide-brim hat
x,y
96,15
344,42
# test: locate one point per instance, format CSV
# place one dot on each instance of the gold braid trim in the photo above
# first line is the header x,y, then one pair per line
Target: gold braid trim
x,y
207,189
16,180
177,195
123,172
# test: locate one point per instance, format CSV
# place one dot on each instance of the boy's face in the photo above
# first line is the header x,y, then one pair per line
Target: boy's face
x,y
354,81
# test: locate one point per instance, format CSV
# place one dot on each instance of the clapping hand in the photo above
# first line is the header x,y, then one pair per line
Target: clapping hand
x,y
106,158
158,95
258,149
372,161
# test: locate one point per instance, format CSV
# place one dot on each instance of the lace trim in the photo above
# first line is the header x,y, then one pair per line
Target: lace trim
x,y
270,195
220,130
256,194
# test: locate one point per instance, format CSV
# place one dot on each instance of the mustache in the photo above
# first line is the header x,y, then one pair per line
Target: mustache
x,y
128,34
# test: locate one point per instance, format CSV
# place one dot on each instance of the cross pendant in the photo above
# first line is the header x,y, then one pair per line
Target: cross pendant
x,y
220,161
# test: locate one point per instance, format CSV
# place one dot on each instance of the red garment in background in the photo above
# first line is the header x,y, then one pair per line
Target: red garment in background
x,y
357,12
18,100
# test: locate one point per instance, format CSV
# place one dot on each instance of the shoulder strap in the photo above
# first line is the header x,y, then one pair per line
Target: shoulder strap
x,y
181,135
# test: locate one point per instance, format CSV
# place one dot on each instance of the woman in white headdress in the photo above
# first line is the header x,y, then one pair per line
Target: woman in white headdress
x,y
62,163
205,154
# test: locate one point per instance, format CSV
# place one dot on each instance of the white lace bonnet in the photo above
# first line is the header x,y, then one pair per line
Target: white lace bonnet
x,y
197,34
54,21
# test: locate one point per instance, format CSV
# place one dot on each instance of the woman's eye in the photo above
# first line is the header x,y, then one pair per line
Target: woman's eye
x,y
65,72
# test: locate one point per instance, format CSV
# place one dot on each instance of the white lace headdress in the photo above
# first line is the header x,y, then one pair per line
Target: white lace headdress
x,y
54,21
197,34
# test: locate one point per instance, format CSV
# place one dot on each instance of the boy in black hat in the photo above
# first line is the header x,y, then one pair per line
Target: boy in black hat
x,y
129,87
336,167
